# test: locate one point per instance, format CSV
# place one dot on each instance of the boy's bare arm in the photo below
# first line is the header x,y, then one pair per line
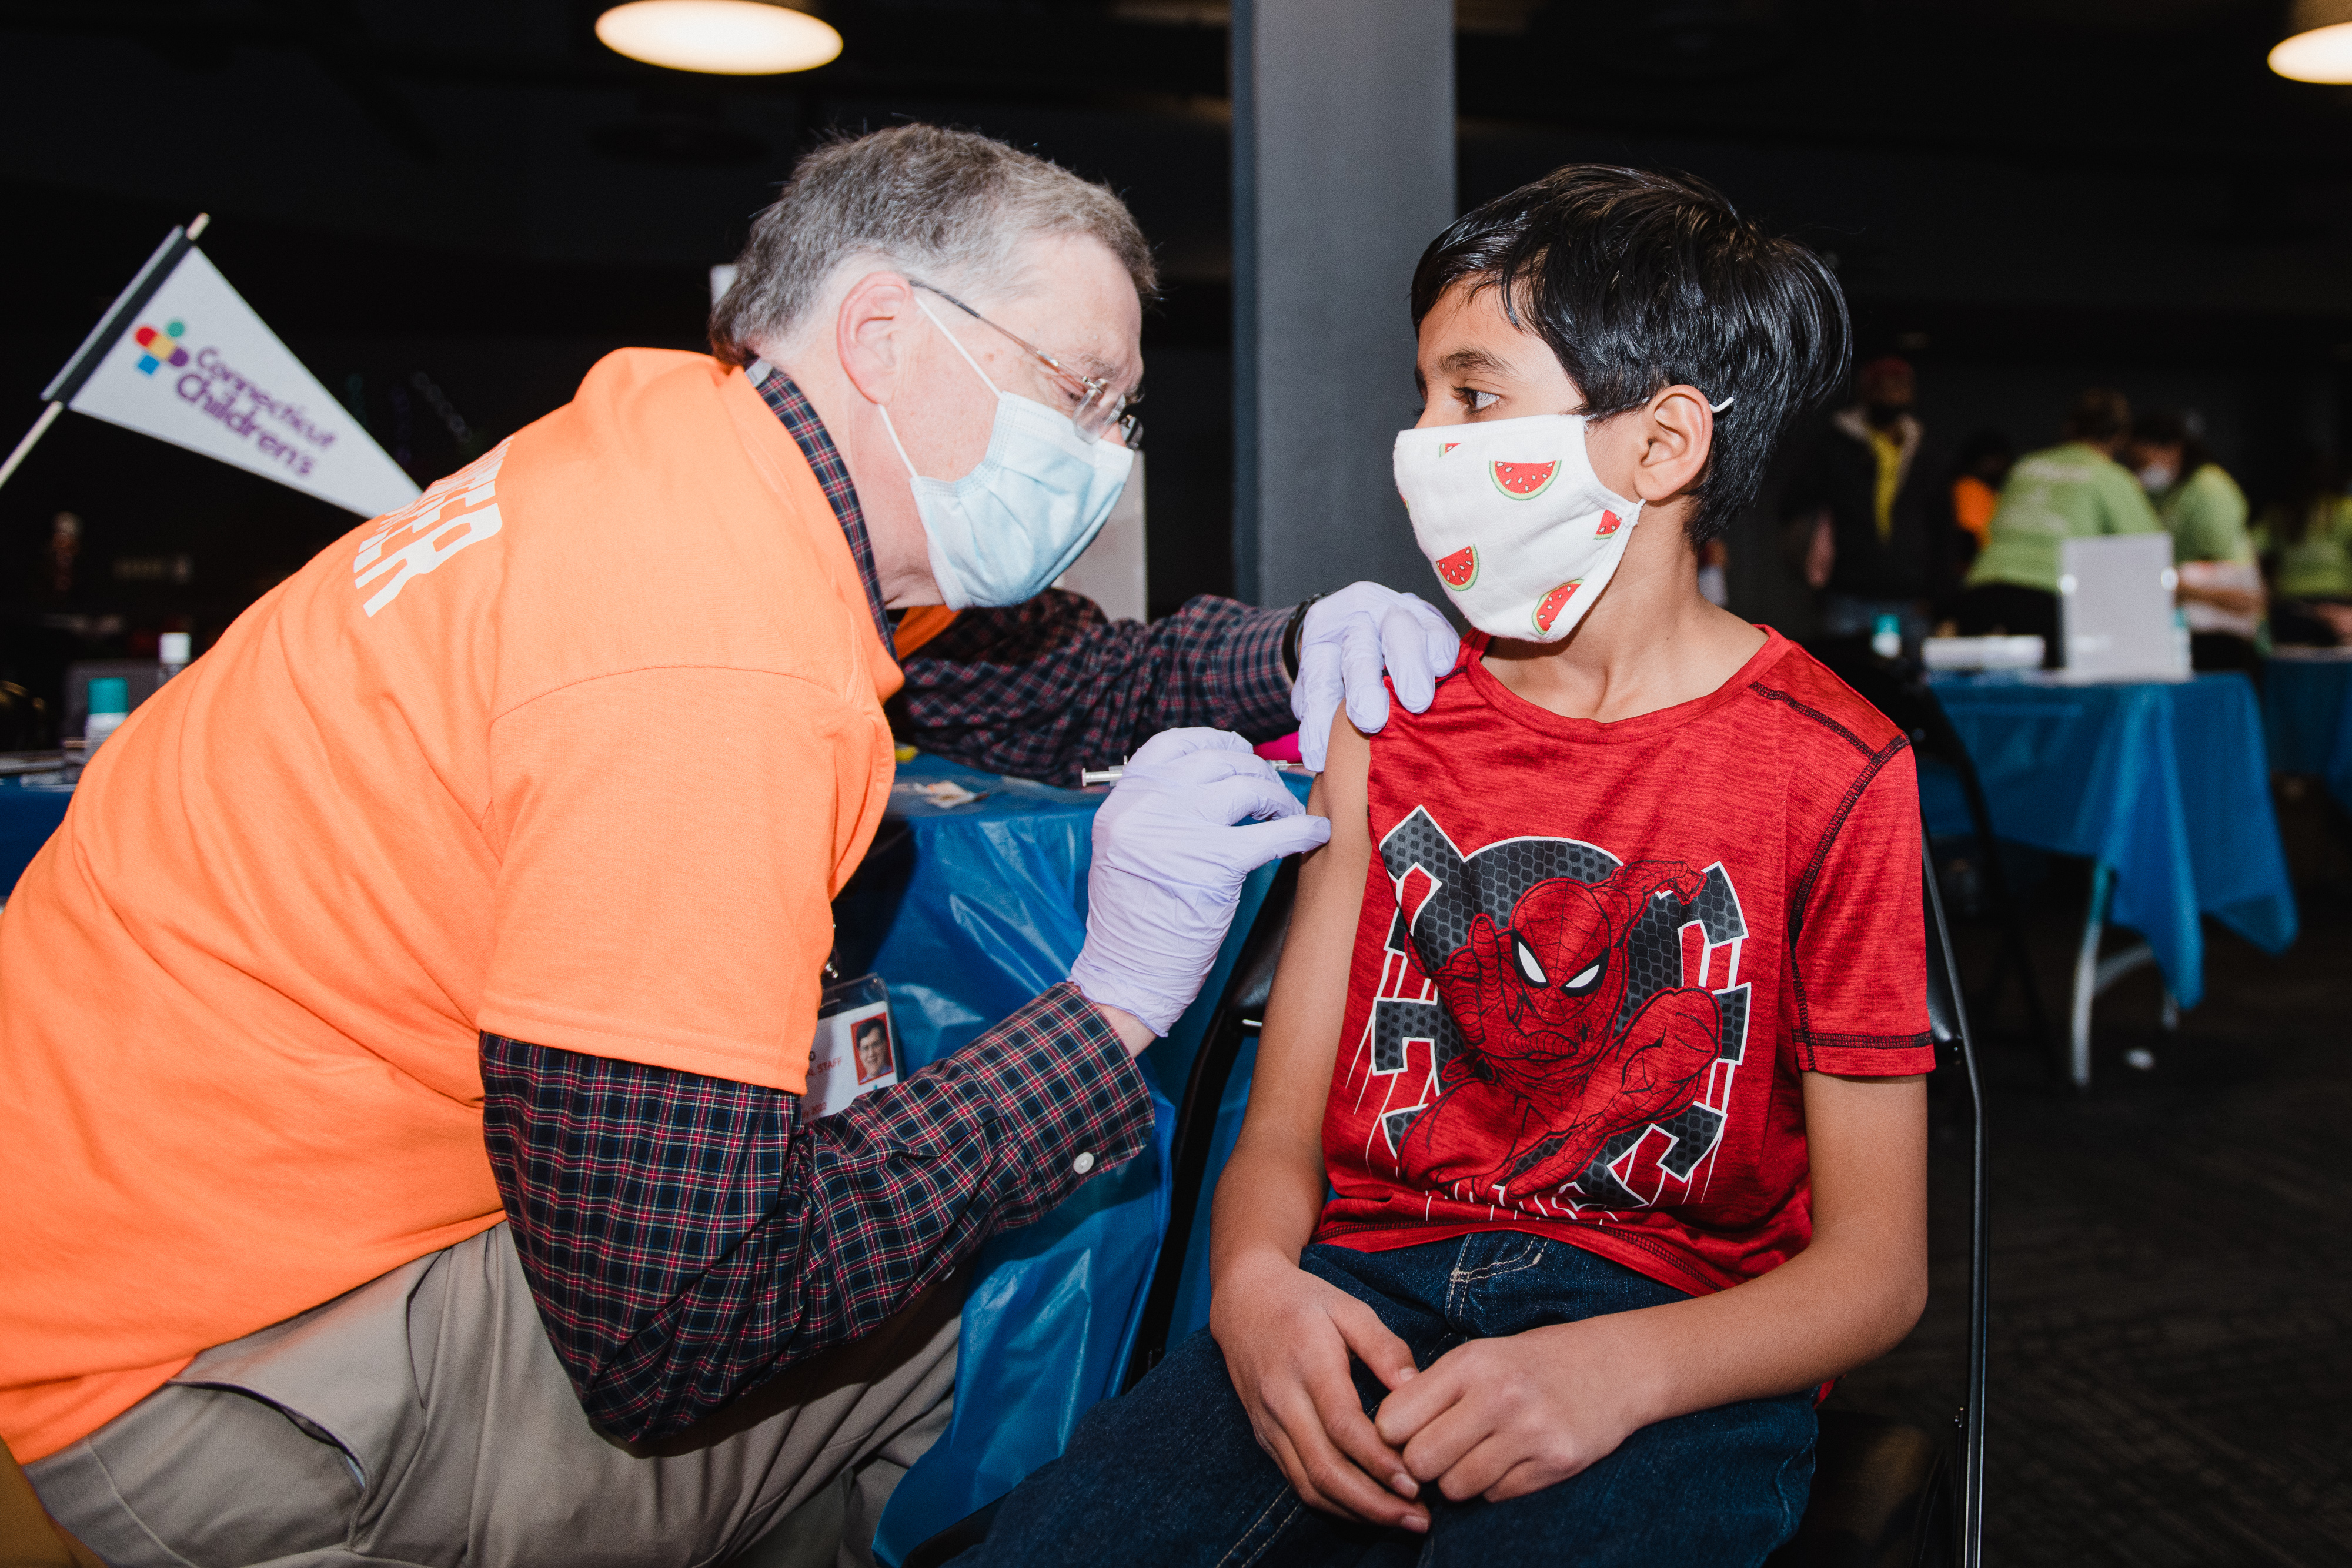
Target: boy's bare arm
x,y
1501,1417
1286,1335
1279,1155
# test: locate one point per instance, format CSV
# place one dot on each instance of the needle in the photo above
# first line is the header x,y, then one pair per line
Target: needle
x,y
1090,777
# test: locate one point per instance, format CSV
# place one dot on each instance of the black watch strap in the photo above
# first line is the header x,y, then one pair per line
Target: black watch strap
x,y
1290,634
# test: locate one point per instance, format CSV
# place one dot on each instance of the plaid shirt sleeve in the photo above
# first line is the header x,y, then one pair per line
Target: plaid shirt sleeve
x,y
688,1237
1044,688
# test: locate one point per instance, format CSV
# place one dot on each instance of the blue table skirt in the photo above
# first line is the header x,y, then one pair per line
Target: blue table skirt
x,y
31,807
2308,705
967,912
2168,783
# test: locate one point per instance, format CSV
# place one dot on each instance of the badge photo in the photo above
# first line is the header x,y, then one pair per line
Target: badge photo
x,y
856,1048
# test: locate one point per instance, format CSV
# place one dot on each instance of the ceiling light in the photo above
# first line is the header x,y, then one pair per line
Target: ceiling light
x,y
721,37
2318,45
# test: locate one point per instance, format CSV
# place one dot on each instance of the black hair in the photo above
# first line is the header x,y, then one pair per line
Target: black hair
x,y
2101,415
1638,281
1982,447
2162,427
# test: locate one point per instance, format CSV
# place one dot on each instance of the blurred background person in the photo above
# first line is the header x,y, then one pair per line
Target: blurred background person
x,y
1979,469
2202,508
1714,574
2076,489
2305,540
1865,502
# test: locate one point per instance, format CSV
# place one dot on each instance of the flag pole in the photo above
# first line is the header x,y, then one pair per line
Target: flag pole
x,y
40,428
142,287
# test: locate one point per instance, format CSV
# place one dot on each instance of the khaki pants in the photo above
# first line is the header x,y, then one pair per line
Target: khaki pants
x,y
423,1419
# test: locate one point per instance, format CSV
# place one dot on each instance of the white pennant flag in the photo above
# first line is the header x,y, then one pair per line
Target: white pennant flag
x,y
181,357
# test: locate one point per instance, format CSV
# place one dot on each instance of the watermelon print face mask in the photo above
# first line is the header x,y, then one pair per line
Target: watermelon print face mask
x,y
1522,532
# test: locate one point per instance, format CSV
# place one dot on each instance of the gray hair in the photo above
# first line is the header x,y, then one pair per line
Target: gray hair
x,y
946,207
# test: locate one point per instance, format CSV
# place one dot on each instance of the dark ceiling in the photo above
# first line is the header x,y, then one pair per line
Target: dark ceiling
x,y
2019,192
506,128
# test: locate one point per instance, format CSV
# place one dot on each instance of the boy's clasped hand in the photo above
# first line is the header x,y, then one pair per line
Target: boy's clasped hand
x,y
1493,1418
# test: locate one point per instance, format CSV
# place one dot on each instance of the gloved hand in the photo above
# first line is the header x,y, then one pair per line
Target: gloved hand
x,y
1170,861
1346,639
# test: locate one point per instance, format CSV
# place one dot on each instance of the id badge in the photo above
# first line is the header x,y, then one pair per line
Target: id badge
x,y
855,1049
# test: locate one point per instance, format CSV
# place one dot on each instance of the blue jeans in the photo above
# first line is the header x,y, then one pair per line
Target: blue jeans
x,y
1171,1474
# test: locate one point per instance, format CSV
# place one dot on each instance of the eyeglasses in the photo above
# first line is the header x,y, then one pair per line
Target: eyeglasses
x,y
1100,406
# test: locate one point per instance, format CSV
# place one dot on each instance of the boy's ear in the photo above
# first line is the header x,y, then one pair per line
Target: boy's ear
x,y
1677,435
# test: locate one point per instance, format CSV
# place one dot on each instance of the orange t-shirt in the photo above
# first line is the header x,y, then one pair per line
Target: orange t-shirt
x,y
1973,504
575,750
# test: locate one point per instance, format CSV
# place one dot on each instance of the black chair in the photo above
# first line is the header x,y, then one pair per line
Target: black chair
x,y
1899,689
1239,1013
1884,1493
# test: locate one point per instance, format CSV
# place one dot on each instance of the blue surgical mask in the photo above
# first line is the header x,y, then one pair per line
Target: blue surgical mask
x,y
1003,532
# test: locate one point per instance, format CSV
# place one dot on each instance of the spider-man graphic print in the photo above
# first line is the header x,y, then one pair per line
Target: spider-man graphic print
x,y
1595,961
1546,1036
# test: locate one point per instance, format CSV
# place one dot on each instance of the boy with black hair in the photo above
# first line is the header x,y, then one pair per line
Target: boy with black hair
x,y
1602,1018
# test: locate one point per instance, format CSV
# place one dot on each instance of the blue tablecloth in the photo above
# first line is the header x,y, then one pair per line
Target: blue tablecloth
x,y
31,807
2308,705
2168,783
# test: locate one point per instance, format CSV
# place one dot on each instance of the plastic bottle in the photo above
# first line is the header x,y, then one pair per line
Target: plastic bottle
x,y
172,651
2180,655
1886,637
110,705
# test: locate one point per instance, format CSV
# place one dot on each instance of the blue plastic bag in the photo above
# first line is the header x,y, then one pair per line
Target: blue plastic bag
x,y
969,912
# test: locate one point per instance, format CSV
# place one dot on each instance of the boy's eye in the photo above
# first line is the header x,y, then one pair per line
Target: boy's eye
x,y
1475,401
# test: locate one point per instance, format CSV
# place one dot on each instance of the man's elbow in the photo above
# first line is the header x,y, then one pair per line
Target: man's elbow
x,y
638,1417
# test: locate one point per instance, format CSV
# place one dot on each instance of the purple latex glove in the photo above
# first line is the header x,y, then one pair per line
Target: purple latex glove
x,y
1170,861
1348,637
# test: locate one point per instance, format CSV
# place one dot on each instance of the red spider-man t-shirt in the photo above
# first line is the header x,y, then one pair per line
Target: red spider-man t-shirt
x,y
1594,959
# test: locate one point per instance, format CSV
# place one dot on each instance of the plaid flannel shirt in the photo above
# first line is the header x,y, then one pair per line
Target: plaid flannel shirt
x,y
686,1238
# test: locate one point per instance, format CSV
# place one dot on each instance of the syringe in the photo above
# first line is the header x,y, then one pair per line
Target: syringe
x,y
1090,777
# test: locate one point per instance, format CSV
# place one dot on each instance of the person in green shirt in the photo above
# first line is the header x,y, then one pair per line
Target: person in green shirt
x,y
2073,490
2221,591
2305,541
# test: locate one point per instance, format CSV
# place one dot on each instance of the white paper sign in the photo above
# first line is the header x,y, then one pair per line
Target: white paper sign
x,y
197,368
855,1050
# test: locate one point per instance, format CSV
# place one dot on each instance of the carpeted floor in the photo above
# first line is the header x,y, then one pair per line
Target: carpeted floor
x,y
2171,1329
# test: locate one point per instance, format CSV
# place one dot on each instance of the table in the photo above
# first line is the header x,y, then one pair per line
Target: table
x,y
2163,786
2307,703
968,910
31,807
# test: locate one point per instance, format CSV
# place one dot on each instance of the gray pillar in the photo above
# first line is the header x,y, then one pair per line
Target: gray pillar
x,y
1343,173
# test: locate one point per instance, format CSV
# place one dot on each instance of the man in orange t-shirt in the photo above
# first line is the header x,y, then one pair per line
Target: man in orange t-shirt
x,y
401,1041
